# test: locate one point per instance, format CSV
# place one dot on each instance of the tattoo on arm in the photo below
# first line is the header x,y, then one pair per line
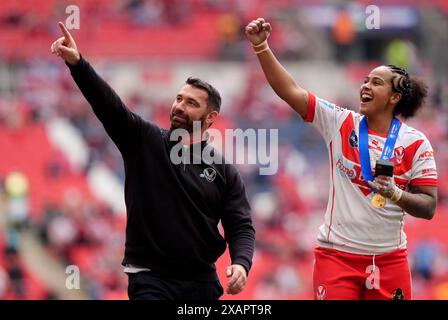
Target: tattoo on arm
x,y
419,201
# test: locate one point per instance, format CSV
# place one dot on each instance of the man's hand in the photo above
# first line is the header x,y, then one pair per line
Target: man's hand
x,y
258,31
238,277
65,47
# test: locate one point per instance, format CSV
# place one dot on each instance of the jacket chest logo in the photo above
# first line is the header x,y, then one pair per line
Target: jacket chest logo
x,y
209,174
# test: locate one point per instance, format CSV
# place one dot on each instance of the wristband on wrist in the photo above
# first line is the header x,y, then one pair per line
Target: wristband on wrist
x,y
261,47
262,50
396,196
255,46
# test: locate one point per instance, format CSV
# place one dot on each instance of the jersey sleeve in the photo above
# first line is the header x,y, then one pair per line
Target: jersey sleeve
x,y
325,116
424,171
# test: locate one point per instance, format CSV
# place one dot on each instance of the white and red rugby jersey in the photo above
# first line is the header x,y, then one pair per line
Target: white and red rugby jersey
x,y
351,222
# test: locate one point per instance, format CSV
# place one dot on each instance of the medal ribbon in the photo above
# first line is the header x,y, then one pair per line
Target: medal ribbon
x,y
364,146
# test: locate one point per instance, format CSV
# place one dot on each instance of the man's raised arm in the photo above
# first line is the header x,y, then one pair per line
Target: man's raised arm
x,y
118,121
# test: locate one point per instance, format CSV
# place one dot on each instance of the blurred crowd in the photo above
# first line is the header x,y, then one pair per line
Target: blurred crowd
x,y
75,228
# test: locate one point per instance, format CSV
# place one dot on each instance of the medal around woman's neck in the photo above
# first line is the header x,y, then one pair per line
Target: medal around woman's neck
x,y
383,166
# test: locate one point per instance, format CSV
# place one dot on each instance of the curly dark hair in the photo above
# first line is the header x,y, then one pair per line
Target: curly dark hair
x,y
413,92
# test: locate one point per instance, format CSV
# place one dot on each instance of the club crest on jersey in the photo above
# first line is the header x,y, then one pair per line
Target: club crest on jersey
x,y
209,174
353,139
321,292
399,154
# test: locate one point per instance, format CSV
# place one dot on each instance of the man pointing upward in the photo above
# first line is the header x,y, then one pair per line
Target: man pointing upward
x,y
173,212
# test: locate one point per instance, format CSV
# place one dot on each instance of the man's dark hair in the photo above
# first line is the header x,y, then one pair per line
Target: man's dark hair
x,y
412,89
214,98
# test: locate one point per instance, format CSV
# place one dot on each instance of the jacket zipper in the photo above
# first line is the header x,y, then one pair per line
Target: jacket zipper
x,y
184,155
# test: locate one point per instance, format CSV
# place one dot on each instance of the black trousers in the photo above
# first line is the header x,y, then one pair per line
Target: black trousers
x,y
147,285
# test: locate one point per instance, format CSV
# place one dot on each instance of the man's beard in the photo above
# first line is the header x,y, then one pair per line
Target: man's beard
x,y
187,125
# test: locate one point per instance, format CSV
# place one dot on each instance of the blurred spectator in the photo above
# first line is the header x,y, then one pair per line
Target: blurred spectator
x,y
401,53
229,29
424,258
343,33
176,11
145,12
279,283
17,208
15,273
4,283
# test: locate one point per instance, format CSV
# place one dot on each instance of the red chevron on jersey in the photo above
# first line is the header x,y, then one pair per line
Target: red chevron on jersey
x,y
349,149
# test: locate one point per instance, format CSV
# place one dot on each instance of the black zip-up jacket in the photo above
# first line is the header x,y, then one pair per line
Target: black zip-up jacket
x,y
173,210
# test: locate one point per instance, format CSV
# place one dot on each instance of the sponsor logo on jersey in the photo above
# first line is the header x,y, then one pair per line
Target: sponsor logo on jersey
x,y
426,155
352,171
375,145
345,169
429,171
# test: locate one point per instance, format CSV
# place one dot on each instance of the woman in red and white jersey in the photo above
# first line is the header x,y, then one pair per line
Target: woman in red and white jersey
x,y
361,251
